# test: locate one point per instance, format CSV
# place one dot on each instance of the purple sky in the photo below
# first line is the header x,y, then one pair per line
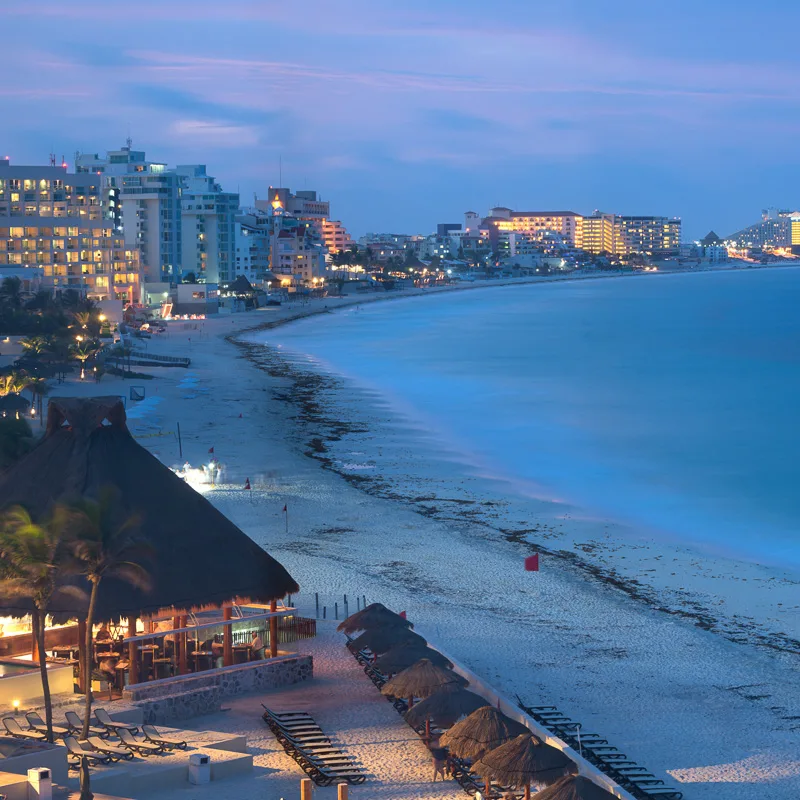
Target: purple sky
x,y
408,114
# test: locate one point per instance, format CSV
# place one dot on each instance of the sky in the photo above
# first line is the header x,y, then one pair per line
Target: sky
x,y
407,114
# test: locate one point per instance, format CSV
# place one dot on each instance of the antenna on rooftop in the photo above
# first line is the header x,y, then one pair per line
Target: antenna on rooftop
x,y
52,159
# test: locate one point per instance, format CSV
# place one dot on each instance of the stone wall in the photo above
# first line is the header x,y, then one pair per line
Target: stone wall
x,y
182,697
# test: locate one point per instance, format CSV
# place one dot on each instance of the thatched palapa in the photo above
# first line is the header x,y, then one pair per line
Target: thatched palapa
x,y
422,680
445,707
574,787
200,558
523,761
381,640
402,656
483,730
375,615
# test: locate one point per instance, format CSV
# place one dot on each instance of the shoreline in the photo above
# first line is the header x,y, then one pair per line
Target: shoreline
x,y
308,382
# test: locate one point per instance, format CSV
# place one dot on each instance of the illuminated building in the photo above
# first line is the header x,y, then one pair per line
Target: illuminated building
x,y
620,235
208,226
795,218
335,237
63,224
776,230
565,223
149,197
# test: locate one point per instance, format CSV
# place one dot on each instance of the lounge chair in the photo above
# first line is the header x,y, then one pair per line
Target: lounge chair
x,y
76,753
14,729
38,724
75,724
101,715
152,735
116,753
144,748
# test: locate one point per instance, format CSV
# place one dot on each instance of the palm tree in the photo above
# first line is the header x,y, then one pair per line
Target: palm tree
x,y
11,292
39,389
34,346
83,351
32,557
13,383
105,546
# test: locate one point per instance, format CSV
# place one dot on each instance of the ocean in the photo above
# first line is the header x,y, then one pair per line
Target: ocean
x,y
665,402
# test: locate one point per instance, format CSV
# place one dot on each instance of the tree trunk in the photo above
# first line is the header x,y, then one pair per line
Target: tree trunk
x,y
48,703
87,669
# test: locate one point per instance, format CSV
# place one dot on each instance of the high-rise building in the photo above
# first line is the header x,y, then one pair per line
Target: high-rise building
x,y
63,224
776,230
620,235
208,226
149,197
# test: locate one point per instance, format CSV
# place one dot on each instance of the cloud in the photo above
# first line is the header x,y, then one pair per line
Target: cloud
x,y
214,133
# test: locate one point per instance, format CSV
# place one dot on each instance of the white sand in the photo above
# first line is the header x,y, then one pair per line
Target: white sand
x,y
352,713
719,717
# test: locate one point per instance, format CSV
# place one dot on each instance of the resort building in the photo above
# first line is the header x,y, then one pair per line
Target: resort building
x,y
62,223
565,223
208,226
148,204
335,237
775,231
296,257
621,235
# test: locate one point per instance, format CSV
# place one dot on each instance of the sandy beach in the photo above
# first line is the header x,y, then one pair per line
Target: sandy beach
x,y
690,670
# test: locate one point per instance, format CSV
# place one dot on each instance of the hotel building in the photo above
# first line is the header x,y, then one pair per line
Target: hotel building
x,y
150,207
64,224
208,226
565,223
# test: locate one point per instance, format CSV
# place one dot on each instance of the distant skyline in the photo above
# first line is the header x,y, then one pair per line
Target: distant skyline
x,y
407,115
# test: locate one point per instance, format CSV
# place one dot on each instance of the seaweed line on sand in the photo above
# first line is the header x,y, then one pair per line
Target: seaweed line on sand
x,y
301,388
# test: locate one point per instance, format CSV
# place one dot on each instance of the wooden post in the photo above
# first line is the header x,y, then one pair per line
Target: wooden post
x,y
81,655
527,791
273,630
133,653
305,789
342,791
227,638
182,660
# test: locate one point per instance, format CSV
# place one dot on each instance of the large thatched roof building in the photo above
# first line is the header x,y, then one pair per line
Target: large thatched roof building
x,y
199,557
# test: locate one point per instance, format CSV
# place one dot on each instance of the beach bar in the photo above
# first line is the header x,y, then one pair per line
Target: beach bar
x,y
213,599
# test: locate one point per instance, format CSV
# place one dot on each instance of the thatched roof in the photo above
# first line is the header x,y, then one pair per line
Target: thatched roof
x,y
445,707
11,403
524,760
422,680
374,615
379,640
402,656
483,730
200,558
574,787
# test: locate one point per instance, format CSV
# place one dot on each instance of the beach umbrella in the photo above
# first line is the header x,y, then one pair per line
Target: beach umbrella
x,y
574,787
402,656
522,761
483,730
421,680
375,615
444,707
381,640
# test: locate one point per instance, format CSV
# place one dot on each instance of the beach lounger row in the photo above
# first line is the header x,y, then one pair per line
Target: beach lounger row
x,y
632,777
365,658
315,753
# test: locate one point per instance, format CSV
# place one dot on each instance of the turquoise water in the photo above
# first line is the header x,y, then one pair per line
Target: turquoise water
x,y
667,401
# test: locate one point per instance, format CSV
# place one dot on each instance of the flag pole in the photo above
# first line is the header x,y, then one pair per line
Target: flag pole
x,y
286,509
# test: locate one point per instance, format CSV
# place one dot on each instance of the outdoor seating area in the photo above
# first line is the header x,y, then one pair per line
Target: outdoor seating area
x,y
471,741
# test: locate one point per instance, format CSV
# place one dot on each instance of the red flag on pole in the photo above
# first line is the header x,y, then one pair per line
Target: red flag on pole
x,y
247,484
532,563
210,449
403,615
285,509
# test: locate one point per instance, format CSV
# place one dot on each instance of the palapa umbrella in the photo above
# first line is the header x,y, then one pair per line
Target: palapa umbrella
x,y
444,707
522,761
375,615
483,730
402,656
421,680
574,787
380,640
